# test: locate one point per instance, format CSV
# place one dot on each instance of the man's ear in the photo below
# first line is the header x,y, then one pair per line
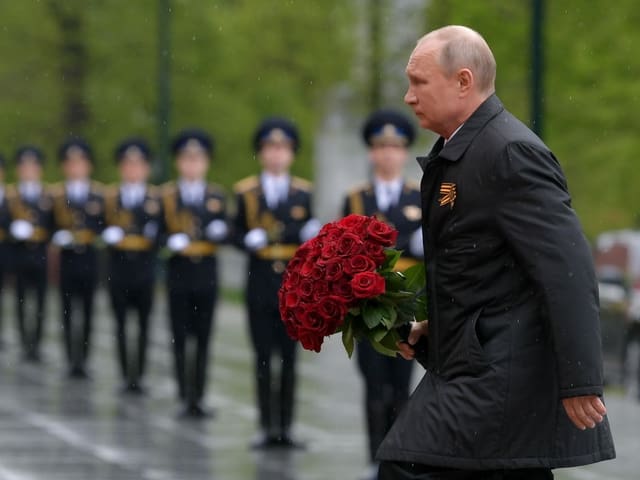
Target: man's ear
x,y
465,81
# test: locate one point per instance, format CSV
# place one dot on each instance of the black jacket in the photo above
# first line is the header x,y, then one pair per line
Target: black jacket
x,y
513,308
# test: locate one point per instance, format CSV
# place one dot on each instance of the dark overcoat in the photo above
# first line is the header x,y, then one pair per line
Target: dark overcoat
x,y
513,308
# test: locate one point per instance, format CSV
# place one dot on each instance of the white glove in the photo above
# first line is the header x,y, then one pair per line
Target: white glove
x,y
256,239
21,229
178,242
150,229
112,235
310,229
62,238
416,245
217,230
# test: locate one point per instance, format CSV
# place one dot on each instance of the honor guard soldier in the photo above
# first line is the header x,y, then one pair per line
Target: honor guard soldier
x,y
79,219
5,254
274,217
195,224
31,210
133,215
392,199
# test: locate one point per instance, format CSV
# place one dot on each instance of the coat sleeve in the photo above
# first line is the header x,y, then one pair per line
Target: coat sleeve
x,y
534,213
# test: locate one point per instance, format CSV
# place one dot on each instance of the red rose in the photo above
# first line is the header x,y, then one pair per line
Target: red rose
x,y
333,269
368,285
349,244
382,233
342,289
291,299
375,252
305,269
355,223
310,339
292,279
329,250
333,309
359,263
295,263
305,289
320,291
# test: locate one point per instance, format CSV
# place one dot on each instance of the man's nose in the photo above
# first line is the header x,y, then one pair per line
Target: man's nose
x,y
409,97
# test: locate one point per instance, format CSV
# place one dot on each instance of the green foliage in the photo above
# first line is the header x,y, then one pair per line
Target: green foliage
x,y
590,98
232,62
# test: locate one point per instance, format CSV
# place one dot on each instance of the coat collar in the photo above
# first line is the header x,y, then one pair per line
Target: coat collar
x,y
454,149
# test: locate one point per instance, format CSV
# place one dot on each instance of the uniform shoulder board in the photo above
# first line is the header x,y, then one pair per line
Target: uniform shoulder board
x,y
247,184
301,184
359,188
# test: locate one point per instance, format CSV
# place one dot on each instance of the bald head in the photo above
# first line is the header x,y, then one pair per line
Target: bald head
x,y
451,72
461,47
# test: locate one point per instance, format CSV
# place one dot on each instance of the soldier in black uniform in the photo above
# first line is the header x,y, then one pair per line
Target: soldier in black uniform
x,y
79,219
133,215
274,217
195,224
5,255
392,199
30,208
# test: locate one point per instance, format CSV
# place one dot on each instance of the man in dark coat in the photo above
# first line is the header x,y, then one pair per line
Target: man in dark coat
x,y
513,386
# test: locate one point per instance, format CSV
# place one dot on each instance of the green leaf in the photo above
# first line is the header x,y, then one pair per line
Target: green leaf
x,y
347,338
392,256
389,316
380,348
415,277
372,315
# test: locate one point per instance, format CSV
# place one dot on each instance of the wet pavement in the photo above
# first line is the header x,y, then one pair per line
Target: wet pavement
x,y
54,428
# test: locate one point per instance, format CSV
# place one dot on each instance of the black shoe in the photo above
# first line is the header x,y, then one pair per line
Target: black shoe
x,y
32,356
78,373
285,440
195,411
263,440
133,389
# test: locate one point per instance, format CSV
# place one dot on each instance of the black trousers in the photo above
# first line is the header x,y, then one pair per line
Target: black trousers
x,y
269,338
31,290
138,298
412,471
193,294
78,280
386,381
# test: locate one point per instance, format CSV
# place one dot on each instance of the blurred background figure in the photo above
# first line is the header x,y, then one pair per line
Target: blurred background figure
x,y
274,217
133,215
392,199
78,219
195,223
5,256
31,210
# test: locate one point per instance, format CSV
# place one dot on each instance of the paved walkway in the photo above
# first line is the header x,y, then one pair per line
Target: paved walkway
x,y
55,429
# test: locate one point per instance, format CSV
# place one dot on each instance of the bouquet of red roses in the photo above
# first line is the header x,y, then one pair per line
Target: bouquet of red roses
x,y
344,281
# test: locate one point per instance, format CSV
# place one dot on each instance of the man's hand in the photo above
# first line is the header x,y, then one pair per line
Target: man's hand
x,y
586,411
418,329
